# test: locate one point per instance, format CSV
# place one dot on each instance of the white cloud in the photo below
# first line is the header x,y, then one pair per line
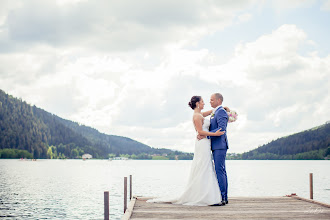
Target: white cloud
x,y
244,17
119,25
281,5
67,2
270,105
326,5
288,86
130,69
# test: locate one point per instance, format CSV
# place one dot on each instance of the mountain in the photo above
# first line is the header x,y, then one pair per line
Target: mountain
x,y
312,144
29,131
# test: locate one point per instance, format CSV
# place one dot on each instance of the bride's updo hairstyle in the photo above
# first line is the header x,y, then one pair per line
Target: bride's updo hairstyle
x,y
193,101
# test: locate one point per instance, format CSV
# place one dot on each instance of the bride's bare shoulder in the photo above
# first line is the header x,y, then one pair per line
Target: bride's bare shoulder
x,y
197,116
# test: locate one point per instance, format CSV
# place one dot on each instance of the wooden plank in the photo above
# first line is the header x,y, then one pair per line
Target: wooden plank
x,y
238,208
130,187
106,205
125,194
129,209
311,185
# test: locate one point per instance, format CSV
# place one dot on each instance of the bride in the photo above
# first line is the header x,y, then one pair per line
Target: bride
x,y
202,188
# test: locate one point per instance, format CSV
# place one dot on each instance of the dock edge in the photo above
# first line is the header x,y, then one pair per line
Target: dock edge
x,y
311,201
129,209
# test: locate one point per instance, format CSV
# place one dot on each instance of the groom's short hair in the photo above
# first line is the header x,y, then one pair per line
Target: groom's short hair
x,y
218,96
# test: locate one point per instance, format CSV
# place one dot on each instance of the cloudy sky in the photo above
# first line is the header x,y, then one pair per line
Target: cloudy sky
x,y
129,68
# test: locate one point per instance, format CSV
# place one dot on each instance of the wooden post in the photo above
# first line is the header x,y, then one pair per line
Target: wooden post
x,y
125,194
130,187
311,185
106,205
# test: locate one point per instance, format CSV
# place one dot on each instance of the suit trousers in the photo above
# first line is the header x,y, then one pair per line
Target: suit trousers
x,y
219,157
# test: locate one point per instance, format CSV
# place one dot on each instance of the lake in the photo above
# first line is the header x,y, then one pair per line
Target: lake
x,y
74,189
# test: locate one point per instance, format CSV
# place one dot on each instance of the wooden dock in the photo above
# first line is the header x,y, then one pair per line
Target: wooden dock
x,y
238,208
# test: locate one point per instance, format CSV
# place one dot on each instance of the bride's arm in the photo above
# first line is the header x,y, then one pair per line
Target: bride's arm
x,y
227,109
207,113
198,121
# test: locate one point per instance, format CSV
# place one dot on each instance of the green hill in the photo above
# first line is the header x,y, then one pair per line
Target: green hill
x,y
28,131
312,144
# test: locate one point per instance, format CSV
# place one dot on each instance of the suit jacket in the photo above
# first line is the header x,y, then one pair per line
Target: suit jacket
x,y
220,120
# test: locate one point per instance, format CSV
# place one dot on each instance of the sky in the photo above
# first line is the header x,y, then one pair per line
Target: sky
x,y
129,68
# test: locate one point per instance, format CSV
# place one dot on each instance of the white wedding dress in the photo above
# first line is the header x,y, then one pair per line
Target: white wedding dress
x,y
202,188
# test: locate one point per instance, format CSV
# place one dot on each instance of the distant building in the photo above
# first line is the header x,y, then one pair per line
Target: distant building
x,y
87,156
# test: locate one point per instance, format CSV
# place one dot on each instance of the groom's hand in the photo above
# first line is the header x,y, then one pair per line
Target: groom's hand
x,y
200,137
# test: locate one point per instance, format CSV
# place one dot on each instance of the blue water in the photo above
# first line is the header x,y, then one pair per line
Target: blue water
x,y
74,189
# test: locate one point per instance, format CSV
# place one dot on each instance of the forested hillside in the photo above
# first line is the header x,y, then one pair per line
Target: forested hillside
x,y
30,132
310,144
33,132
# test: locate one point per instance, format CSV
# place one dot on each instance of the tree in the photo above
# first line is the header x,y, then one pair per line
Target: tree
x,y
134,157
54,150
61,156
327,152
186,157
14,153
50,153
111,155
74,153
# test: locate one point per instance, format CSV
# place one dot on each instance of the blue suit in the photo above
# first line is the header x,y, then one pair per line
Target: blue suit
x,y
219,146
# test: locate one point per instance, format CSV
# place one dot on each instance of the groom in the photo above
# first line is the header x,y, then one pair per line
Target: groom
x,y
219,144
